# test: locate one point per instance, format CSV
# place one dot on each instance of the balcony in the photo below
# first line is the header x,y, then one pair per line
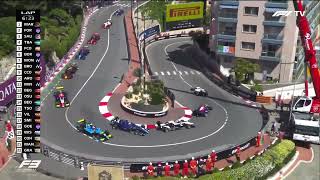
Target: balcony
x,y
272,39
274,21
227,35
277,4
230,2
270,56
228,17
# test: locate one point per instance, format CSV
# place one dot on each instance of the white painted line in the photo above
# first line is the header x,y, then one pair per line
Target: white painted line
x,y
221,169
156,73
180,72
242,161
116,88
198,72
191,72
186,72
174,73
251,157
168,73
174,66
162,73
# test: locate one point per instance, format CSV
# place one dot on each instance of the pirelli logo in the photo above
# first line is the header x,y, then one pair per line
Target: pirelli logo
x,y
184,11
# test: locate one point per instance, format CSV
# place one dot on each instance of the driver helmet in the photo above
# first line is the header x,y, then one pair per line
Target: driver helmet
x,y
61,94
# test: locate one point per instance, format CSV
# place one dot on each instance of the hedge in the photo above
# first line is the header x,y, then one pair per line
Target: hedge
x,y
260,167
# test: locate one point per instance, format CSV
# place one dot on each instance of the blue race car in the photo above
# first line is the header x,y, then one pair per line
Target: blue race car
x,y
83,53
92,131
125,125
119,12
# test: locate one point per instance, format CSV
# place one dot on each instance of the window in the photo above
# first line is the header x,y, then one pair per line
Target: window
x,y
306,130
249,28
248,45
251,11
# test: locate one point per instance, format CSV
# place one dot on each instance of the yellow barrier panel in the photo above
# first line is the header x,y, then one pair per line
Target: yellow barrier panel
x,y
186,11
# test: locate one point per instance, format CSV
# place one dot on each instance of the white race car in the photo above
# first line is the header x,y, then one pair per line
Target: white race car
x,y
107,24
199,91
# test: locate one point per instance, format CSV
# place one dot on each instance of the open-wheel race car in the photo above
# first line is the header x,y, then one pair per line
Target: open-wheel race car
x,y
107,24
198,91
94,38
70,71
93,131
174,125
202,110
125,125
83,53
119,12
60,97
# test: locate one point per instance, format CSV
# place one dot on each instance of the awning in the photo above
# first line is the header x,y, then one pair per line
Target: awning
x,y
272,10
228,7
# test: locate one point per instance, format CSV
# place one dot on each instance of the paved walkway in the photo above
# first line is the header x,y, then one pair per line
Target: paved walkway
x,y
307,166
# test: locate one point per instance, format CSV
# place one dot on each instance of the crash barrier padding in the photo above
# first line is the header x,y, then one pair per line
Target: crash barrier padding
x,y
144,114
220,155
264,99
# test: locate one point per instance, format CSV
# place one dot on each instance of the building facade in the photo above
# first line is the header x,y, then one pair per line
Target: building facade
x,y
247,29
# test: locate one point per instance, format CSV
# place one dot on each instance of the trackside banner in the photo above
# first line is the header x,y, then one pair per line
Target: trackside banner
x,y
8,91
186,11
183,16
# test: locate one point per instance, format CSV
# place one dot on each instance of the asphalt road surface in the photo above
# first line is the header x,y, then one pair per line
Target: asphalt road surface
x,y
229,123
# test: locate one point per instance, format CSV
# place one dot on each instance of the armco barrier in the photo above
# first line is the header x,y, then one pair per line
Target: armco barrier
x,y
70,54
220,155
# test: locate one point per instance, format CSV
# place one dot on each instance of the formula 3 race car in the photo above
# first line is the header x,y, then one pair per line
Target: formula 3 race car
x,y
93,131
202,111
125,125
70,71
84,51
198,91
119,12
174,125
60,97
94,38
107,24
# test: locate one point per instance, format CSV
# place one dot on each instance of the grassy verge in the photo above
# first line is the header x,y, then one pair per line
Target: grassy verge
x,y
260,167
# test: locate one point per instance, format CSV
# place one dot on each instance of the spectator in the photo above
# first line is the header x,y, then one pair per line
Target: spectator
x,y
159,169
150,170
176,168
193,166
238,151
185,170
213,156
201,170
167,169
208,164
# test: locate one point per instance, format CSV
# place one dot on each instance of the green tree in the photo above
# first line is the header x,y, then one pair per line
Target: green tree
x,y
244,69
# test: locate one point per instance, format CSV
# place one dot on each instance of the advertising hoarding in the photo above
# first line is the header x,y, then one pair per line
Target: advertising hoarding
x,y
149,32
183,16
183,12
8,91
